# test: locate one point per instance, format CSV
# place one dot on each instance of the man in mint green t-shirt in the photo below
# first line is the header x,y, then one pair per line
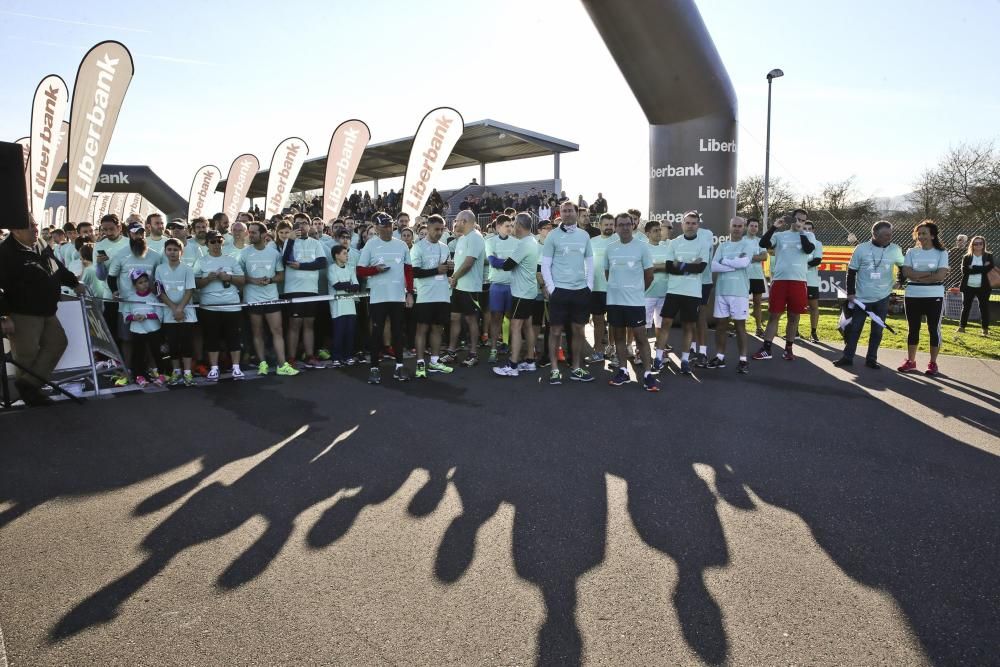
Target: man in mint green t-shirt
x,y
521,264
732,292
431,263
467,283
870,277
498,249
599,295
628,268
812,282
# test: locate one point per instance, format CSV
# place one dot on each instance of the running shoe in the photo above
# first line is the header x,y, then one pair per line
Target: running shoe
x,y
493,356
287,369
238,374
580,375
650,383
762,354
813,338
685,368
213,375
743,368
700,360
716,363
907,366
596,356
526,367
843,362
788,355
387,351
484,340
471,361
760,332
872,364
401,374
188,379
555,377
176,379
409,354
201,369
448,357
657,365
374,376
439,367
324,355
314,362
619,378
932,369
544,362
350,361
120,380
505,370
159,380
263,368
503,348
141,381
421,372
335,363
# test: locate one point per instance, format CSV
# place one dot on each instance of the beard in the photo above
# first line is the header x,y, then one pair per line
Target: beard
x,y
138,246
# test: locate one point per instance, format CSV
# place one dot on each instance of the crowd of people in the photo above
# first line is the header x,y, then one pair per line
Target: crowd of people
x,y
185,298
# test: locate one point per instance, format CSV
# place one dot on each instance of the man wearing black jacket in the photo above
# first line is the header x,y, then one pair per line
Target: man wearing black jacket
x,y
30,278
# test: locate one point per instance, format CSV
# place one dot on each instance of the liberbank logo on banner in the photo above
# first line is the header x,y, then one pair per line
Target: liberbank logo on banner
x,y
205,181
101,82
671,171
432,145
346,147
285,166
48,145
716,146
241,173
712,192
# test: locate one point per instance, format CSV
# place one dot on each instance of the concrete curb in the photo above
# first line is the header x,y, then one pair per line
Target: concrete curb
x,y
3,651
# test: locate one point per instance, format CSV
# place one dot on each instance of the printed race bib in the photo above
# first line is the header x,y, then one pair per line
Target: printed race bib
x,y
876,275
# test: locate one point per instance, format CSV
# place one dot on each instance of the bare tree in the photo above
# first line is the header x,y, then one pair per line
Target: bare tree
x,y
968,179
750,196
841,200
925,199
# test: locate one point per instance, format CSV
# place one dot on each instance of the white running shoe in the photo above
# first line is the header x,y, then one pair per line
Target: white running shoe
x,y
238,374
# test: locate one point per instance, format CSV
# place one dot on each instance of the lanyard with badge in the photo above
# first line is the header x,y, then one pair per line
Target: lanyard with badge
x,y
876,274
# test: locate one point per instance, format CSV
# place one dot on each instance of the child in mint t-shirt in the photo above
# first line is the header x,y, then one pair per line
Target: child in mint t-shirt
x,y
143,320
344,283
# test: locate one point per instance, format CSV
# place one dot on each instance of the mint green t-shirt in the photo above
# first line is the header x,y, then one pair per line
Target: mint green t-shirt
x,y
388,286
812,272
304,281
215,295
472,245
919,259
756,269
626,264
598,245
427,255
96,286
874,268
568,250
790,261
123,264
501,248
156,245
193,251
174,282
735,283
346,303
707,238
688,251
523,280
264,263
660,278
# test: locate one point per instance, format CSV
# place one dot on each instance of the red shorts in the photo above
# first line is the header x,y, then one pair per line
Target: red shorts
x,y
790,295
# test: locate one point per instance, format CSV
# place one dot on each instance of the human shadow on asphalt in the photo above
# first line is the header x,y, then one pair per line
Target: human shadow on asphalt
x,y
895,504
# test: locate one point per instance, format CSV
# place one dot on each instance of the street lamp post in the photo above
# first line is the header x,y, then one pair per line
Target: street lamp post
x,y
773,74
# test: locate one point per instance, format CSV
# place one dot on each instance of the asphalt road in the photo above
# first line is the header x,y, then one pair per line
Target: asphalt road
x,y
800,515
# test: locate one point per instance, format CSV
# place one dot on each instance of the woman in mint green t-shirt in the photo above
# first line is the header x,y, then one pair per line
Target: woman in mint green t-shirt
x,y
925,267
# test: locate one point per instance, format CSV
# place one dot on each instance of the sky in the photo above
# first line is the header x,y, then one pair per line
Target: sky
x,y
877,90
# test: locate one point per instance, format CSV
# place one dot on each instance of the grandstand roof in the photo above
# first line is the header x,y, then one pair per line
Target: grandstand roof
x,y
482,142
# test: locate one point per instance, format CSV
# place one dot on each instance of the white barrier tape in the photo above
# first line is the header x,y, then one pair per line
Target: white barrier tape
x,y
273,302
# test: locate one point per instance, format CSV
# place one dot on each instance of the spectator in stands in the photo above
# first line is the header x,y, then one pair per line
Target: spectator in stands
x,y
976,266
600,204
544,212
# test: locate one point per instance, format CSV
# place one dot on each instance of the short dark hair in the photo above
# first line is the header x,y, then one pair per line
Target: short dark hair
x,y
149,218
606,216
337,249
800,210
173,242
753,219
110,217
435,219
651,225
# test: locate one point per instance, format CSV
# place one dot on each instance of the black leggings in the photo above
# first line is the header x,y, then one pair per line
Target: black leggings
x,y
218,327
981,293
379,313
917,308
145,352
180,339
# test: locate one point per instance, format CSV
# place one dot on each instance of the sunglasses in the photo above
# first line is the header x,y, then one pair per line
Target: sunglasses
x,y
215,241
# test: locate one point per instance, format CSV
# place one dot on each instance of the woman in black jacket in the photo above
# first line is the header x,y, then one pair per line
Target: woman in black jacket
x,y
976,266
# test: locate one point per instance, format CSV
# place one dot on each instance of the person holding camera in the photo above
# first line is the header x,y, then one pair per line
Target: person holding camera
x,y
30,282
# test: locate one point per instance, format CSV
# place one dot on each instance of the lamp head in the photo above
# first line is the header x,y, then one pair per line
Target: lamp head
x,y
774,74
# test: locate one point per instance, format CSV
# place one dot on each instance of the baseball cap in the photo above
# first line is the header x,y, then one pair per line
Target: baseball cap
x,y
212,235
136,227
382,219
176,223
135,274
